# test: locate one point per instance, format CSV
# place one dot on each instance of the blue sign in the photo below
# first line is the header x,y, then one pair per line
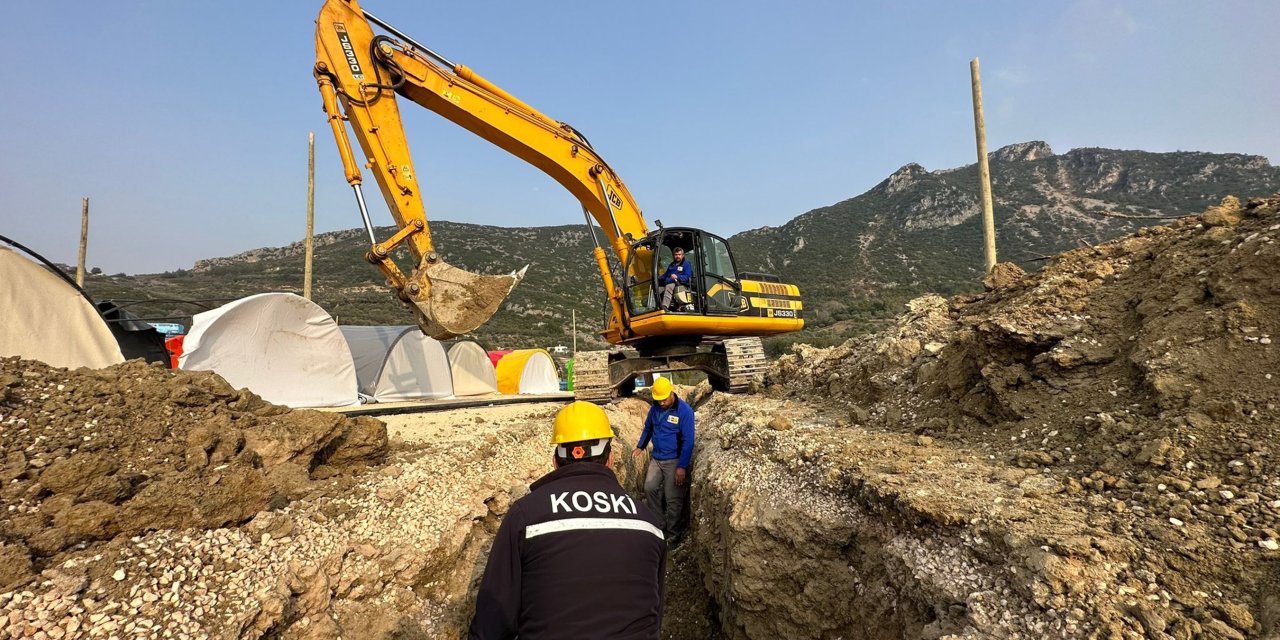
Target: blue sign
x,y
169,329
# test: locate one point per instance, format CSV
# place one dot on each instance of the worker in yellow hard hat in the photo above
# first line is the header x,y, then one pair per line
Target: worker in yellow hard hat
x,y
545,577
670,426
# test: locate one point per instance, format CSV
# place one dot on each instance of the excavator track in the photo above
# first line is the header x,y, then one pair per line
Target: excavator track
x,y
591,381
746,363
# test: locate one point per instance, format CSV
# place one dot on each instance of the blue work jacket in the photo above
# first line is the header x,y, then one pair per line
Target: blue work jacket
x,y
681,273
671,431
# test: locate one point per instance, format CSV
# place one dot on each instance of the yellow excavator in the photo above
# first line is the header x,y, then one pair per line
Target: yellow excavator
x,y
705,315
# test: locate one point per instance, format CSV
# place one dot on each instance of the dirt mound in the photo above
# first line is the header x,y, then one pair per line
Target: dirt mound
x,y
1134,384
89,455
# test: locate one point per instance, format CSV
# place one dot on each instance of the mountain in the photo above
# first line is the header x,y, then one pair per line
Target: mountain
x,y
921,231
856,261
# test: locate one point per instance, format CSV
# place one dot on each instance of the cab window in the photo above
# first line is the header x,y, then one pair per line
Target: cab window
x,y
641,298
719,278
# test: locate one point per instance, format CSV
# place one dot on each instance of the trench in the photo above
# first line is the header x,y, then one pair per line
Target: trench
x,y
795,538
769,556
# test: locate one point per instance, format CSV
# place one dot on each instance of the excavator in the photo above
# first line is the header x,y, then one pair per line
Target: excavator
x,y
709,320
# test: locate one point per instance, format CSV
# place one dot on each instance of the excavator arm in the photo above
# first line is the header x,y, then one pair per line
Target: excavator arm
x,y
356,88
365,72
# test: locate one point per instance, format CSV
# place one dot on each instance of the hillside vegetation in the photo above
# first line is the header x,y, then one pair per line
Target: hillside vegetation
x,y
856,261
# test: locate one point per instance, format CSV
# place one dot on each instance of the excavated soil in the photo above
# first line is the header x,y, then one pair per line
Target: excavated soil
x,y
232,517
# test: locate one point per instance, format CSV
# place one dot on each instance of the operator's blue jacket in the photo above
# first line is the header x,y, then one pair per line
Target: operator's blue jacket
x,y
671,431
681,273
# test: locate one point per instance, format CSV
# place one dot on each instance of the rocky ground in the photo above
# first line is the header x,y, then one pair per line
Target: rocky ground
x,y
1083,452
243,519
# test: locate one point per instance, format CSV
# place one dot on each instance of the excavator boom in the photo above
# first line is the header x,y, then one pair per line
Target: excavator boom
x,y
356,86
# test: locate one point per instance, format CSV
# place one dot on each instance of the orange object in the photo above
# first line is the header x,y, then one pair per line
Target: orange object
x,y
174,345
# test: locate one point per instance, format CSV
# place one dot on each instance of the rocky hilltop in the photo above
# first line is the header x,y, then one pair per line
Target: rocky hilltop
x,y
920,231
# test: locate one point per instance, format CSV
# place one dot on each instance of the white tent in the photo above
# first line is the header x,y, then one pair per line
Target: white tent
x,y
527,371
280,346
396,364
473,373
42,317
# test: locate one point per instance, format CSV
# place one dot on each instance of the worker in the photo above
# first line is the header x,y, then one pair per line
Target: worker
x,y
666,485
678,273
577,557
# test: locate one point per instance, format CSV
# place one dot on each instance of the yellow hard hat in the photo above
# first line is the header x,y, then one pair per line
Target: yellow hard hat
x,y
580,421
661,389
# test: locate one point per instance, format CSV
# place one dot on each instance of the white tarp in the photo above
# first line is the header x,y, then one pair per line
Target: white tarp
x,y
397,364
473,373
280,346
44,318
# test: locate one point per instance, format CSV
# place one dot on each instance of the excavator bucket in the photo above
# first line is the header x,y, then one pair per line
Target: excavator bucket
x,y
452,301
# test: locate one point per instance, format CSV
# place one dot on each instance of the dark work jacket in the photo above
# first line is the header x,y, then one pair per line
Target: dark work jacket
x,y
576,558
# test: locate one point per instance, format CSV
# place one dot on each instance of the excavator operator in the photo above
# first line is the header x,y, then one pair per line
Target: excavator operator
x,y
679,273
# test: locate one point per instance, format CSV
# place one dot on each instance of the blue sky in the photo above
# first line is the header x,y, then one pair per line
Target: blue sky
x,y
186,123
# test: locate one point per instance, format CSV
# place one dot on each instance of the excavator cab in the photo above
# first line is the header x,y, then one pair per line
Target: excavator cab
x,y
713,287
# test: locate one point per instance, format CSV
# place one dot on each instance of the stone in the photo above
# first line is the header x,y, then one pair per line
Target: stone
x,y
1225,214
1039,485
88,521
290,479
1235,615
365,441
1220,629
15,566
1154,453
1002,275
75,474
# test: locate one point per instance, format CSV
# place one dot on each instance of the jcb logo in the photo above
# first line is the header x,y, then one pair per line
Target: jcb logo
x,y
615,199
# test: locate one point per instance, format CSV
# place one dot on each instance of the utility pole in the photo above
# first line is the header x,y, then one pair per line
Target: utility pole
x,y
575,332
984,171
311,213
84,240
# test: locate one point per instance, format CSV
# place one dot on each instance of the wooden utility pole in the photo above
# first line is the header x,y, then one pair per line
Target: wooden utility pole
x,y
984,171
84,240
311,213
575,331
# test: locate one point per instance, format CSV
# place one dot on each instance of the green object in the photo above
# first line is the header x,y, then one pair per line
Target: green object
x,y
568,367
